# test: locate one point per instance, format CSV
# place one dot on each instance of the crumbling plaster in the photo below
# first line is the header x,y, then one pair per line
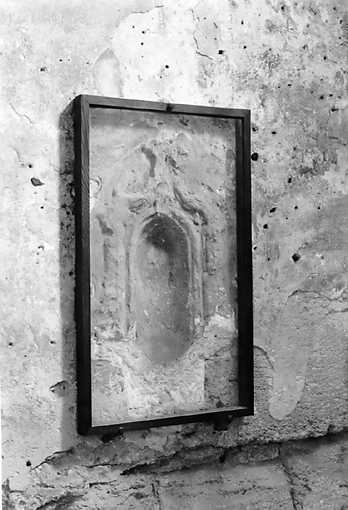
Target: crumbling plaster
x,y
286,61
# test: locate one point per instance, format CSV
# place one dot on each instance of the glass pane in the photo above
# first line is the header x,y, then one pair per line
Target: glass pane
x,y
163,264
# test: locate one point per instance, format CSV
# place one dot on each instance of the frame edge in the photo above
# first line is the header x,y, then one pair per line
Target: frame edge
x,y
82,298
82,103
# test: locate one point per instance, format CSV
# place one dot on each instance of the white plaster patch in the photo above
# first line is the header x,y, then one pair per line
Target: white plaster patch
x,y
107,75
161,62
292,337
337,178
166,391
226,323
286,393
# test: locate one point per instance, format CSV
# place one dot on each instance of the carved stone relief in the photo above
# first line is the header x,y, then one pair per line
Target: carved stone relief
x,y
163,268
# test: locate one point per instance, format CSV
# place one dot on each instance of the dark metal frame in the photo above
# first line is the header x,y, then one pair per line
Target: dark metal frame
x,y
82,105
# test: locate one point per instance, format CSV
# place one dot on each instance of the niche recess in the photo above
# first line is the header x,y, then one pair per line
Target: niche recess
x,y
162,289
164,241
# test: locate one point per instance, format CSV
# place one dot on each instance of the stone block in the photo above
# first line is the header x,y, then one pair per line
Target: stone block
x,y
236,488
318,471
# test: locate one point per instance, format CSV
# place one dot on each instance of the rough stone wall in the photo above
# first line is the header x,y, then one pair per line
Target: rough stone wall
x,y
286,62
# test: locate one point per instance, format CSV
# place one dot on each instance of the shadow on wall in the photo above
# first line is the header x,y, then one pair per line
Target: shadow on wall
x,y
67,277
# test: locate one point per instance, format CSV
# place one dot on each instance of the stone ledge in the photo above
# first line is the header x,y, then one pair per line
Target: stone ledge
x,y
309,474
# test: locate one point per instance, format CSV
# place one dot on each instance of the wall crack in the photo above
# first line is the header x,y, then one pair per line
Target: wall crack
x,y
21,115
155,492
198,50
146,11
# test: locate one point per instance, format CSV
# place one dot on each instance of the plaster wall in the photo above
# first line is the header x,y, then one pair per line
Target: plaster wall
x,y
287,62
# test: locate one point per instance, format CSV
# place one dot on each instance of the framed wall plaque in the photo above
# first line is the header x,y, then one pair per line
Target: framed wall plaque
x,y
163,264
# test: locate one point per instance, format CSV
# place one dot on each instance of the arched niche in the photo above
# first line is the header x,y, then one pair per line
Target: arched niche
x,y
162,289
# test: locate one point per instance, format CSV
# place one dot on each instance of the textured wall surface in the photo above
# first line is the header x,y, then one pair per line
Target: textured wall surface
x,y
163,257
285,61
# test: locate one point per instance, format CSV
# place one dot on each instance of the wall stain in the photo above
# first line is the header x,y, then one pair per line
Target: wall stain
x,y
151,157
